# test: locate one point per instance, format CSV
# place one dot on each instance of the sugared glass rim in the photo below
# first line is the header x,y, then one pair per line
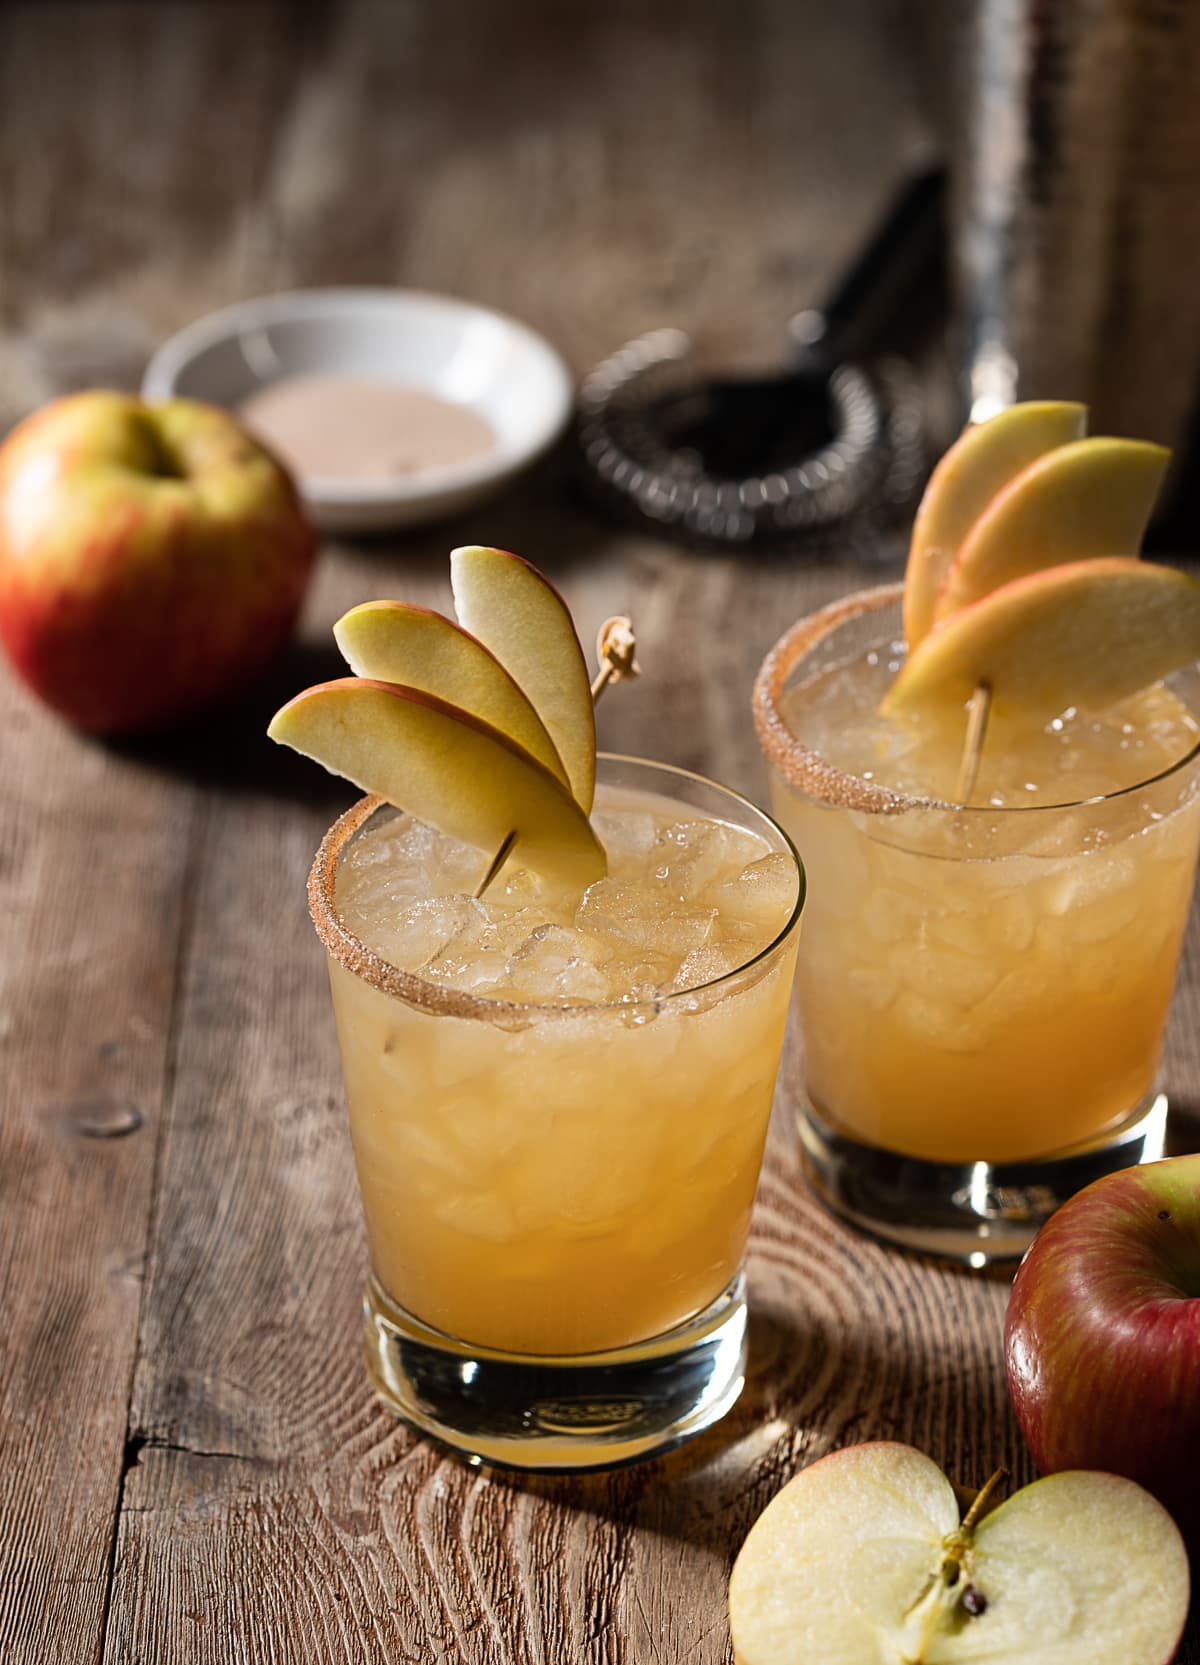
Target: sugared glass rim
x,y
808,772
439,1000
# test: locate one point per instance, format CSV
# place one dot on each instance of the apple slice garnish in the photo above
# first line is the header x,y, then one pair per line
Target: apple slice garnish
x,y
1087,634
862,1557
1078,503
522,619
979,464
394,641
446,767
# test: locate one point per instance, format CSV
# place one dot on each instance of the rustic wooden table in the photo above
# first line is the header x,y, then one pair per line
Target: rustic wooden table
x,y
192,1467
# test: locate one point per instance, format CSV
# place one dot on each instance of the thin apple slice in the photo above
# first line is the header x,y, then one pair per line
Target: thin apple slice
x,y
1087,634
1078,503
394,641
446,767
862,1557
521,617
979,464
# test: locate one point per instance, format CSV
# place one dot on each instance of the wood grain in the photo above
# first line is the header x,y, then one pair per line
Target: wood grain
x,y
193,1466
87,1000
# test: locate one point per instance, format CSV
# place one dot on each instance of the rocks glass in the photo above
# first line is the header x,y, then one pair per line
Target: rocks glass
x,y
557,1197
982,991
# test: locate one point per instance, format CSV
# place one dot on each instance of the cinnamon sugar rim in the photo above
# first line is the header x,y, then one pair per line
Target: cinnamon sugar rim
x,y
806,770
439,1000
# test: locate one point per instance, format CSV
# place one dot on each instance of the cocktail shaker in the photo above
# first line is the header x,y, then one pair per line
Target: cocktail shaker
x,y
1075,207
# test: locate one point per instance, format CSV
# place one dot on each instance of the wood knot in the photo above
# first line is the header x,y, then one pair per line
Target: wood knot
x,y
101,1118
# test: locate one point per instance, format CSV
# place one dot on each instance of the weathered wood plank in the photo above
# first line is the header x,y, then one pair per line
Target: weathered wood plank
x,y
693,166
94,855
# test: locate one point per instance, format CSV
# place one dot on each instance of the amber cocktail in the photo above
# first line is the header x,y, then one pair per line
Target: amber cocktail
x,y
558,1106
983,990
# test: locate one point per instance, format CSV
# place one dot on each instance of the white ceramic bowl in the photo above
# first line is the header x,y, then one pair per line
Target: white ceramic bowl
x,y
464,353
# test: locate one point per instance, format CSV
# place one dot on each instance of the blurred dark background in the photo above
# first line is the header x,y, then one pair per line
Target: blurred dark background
x,y
601,171
595,170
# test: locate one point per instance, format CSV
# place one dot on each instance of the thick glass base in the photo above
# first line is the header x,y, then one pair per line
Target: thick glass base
x,y
547,1413
974,1211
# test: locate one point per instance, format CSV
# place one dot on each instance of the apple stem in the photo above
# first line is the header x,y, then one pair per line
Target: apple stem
x,y
972,754
983,1501
498,861
958,1545
616,649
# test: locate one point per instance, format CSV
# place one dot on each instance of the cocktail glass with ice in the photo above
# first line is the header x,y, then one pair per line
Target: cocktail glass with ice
x,y
983,991
558,1106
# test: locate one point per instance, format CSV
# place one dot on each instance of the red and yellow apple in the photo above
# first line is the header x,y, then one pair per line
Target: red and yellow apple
x,y
153,558
1102,1338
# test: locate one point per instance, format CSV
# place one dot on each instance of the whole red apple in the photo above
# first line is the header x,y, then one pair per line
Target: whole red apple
x,y
153,558
1102,1338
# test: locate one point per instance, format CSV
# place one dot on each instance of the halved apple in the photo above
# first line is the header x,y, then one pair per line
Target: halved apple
x,y
978,465
862,1557
1086,634
1078,503
519,615
395,641
446,767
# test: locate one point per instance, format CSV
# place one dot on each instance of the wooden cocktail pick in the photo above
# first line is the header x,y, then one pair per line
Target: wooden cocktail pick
x,y
497,863
978,713
616,649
